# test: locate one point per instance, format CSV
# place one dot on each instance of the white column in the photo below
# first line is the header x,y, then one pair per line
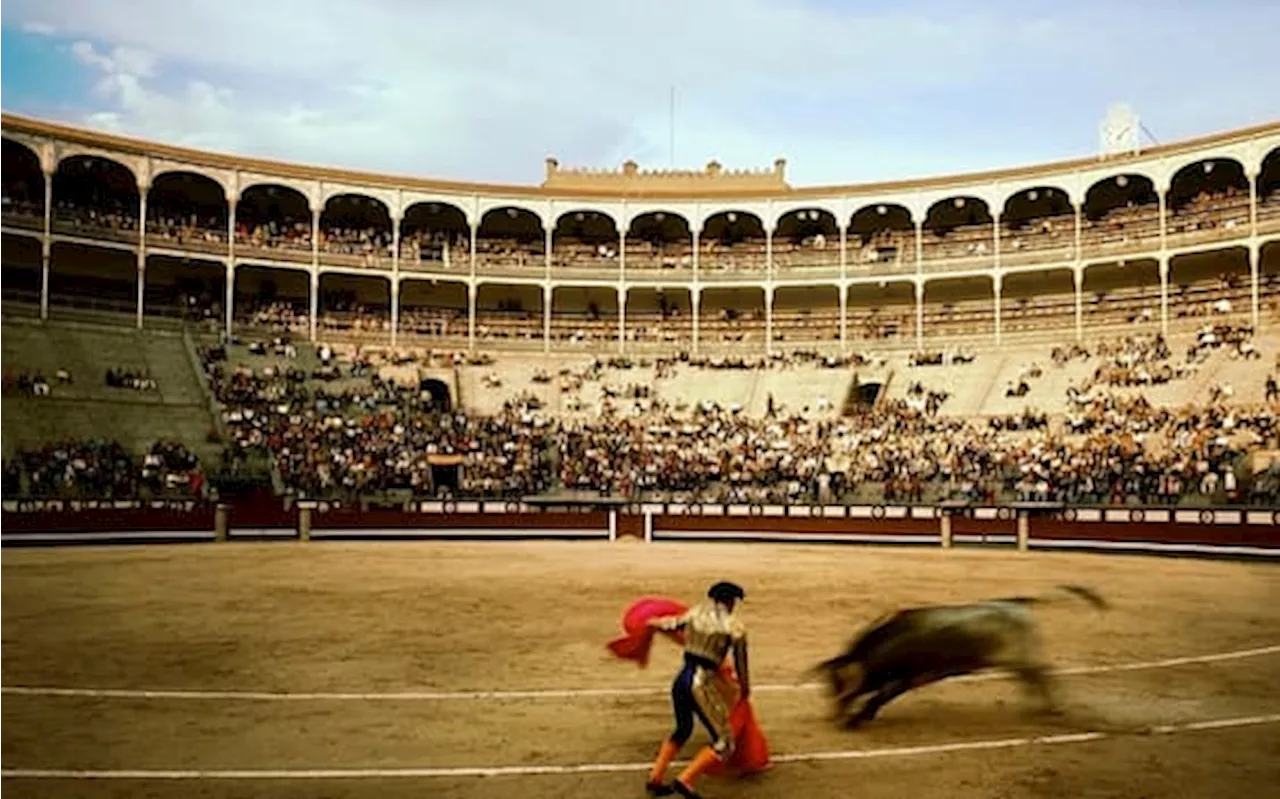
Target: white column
x,y
142,246
844,254
1077,275
919,246
1079,218
695,303
622,319
230,290
997,285
395,307
920,314
1253,207
395,244
622,257
315,271
768,320
474,236
395,278
550,242
548,294
696,255
1164,227
46,245
1254,255
315,302
1164,294
768,253
45,254
995,224
844,317
472,291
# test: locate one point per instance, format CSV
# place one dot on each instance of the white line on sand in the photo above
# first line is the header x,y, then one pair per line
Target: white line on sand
x,y
603,768
566,693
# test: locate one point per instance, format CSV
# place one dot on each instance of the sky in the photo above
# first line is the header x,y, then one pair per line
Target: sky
x,y
847,91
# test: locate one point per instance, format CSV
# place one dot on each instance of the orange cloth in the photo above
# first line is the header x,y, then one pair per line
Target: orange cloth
x,y
751,748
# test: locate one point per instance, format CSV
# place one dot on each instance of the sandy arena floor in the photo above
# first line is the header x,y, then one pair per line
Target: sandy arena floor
x,y
394,617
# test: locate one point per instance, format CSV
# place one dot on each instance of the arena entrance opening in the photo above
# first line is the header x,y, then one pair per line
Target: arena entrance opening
x,y
445,473
439,393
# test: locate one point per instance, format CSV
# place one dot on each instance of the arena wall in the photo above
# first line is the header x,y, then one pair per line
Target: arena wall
x,y
1222,531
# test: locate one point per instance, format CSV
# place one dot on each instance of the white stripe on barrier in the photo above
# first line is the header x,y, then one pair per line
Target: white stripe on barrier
x,y
262,532
122,535
609,768
460,532
1154,546
566,693
756,535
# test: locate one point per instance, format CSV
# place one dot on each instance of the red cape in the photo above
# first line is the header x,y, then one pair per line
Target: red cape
x,y
751,752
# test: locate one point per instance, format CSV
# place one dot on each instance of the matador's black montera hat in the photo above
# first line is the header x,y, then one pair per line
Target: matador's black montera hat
x,y
726,592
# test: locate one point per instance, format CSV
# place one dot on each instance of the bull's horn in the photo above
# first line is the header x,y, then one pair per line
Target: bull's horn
x,y
1087,594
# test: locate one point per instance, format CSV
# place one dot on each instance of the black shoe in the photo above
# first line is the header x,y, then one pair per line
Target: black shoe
x,y
685,790
658,789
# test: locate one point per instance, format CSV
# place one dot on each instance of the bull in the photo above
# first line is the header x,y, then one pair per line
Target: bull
x,y
918,646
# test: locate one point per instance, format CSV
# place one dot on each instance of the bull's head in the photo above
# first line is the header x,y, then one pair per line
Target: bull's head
x,y
844,678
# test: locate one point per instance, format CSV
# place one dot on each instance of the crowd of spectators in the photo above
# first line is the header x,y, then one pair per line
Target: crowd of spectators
x,y
101,469
373,434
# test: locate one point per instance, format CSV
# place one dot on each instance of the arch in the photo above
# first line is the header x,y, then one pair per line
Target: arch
x,y
192,289
804,223
509,313
585,239
436,388
21,269
881,236
1126,190
881,310
1203,284
1036,299
1205,180
510,238
432,309
732,241
1269,175
1037,225
275,221
666,226
100,278
1033,203
659,240
658,316
435,235
587,225
960,306
358,306
949,213
355,230
23,185
806,314
733,226
1125,292
807,238
92,193
273,299
584,314
511,222
188,210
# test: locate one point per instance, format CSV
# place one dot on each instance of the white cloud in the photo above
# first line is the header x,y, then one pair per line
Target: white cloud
x,y
39,28
486,89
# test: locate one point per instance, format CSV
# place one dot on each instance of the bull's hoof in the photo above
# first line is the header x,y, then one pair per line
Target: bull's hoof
x,y
853,722
658,789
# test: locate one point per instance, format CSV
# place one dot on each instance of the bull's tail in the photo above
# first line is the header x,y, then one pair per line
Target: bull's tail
x,y
1077,591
